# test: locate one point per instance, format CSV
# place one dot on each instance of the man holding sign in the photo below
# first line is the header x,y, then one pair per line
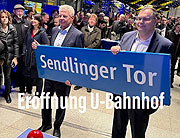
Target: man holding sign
x,y
65,35
145,39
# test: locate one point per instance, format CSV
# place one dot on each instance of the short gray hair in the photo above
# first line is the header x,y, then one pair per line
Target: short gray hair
x,y
68,8
155,13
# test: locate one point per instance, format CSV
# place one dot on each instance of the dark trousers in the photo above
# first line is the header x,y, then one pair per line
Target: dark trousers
x,y
18,77
6,68
61,89
139,119
38,83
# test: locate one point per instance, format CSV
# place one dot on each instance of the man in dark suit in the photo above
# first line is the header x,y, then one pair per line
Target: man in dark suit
x,y
145,39
65,35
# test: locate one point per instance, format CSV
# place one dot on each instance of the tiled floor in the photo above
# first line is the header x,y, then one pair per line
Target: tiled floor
x,y
94,123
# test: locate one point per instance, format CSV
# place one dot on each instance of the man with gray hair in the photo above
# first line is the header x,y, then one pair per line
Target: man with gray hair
x,y
67,36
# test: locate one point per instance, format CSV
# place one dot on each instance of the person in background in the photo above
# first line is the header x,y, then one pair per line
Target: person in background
x,y
145,39
45,20
174,36
8,34
35,33
29,14
129,26
92,37
50,23
119,27
101,17
65,35
56,21
103,27
78,20
164,28
53,14
83,21
116,16
21,25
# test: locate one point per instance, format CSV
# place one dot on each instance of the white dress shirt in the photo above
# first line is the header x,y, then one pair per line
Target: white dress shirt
x,y
141,46
61,36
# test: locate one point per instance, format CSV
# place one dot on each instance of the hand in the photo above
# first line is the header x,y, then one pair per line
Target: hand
x,y
1,62
34,44
115,49
68,83
45,26
14,61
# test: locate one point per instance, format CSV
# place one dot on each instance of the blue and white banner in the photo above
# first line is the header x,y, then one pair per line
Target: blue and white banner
x,y
129,72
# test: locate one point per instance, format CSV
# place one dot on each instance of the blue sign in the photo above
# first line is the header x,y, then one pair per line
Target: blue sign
x,y
131,72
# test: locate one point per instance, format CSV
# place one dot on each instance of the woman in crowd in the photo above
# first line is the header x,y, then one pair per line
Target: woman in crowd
x,y
8,35
35,33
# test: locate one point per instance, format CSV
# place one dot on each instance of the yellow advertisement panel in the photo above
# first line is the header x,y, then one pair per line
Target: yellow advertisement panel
x,y
34,6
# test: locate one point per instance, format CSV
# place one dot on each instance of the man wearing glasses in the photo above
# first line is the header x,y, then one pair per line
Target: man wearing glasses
x,y
145,39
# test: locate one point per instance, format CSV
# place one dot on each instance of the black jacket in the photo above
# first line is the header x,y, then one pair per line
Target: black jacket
x,y
2,50
11,40
29,53
21,27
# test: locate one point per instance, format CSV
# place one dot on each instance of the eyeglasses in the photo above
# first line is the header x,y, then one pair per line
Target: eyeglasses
x,y
144,18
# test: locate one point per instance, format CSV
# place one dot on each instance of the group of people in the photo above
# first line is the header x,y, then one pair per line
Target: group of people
x,y
19,39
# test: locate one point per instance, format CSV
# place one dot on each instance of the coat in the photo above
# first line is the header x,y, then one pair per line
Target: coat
x,y
10,40
92,39
22,27
29,53
2,50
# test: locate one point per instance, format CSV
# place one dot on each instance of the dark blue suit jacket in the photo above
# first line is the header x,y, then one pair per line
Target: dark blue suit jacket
x,y
74,37
158,43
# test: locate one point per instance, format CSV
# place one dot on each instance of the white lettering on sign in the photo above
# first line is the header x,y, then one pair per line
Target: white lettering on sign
x,y
142,76
70,64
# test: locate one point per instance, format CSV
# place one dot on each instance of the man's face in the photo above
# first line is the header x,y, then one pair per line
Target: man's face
x,y
45,18
164,21
65,19
178,28
19,13
92,21
145,21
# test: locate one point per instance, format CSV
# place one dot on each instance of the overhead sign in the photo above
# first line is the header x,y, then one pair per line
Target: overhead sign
x,y
130,72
